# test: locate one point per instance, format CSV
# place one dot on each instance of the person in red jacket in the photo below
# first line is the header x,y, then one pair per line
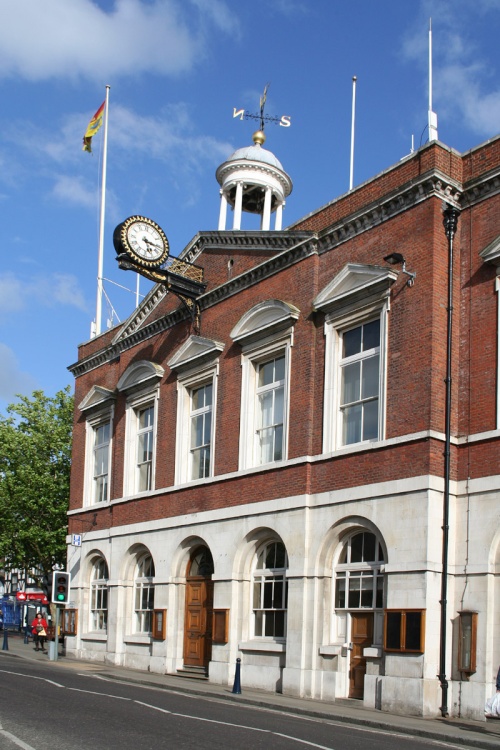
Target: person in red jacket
x,y
39,629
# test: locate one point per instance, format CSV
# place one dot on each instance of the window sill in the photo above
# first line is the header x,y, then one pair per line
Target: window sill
x,y
329,650
137,638
265,646
95,637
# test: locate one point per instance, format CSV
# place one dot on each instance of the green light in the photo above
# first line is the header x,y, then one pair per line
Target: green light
x,y
60,597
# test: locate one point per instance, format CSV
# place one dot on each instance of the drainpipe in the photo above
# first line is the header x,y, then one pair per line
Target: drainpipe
x,y
450,221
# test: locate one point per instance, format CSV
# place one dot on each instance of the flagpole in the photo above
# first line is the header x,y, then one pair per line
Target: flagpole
x,y
100,262
353,118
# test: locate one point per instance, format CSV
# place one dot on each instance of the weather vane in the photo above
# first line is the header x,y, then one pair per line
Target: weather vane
x,y
284,120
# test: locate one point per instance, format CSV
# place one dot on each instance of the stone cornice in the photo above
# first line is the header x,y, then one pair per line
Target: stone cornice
x,y
289,247
482,187
140,314
242,240
298,245
431,184
298,251
240,166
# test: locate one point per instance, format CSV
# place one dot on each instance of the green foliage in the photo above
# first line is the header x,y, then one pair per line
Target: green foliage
x,y
35,460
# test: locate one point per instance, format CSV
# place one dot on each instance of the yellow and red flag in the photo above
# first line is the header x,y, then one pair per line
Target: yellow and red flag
x,y
92,128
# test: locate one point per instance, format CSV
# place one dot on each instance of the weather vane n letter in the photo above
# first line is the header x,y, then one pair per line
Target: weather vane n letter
x,y
284,121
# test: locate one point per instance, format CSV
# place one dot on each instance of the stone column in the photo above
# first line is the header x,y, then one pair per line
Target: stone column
x,y
279,217
266,216
223,211
237,206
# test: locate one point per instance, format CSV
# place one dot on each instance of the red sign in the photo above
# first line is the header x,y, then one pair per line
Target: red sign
x,y
36,596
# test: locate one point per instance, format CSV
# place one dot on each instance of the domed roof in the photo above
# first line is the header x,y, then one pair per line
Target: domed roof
x,y
255,152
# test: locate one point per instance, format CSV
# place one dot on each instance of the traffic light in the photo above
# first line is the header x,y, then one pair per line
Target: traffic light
x,y
60,587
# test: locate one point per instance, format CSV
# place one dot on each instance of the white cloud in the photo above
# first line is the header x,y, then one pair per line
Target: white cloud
x,y
70,189
61,289
169,137
12,379
11,295
61,39
166,137
48,290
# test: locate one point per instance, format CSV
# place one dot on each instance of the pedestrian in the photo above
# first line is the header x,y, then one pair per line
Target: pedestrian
x,y
39,629
492,707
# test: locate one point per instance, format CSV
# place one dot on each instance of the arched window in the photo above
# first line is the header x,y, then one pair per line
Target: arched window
x,y
270,591
201,563
99,595
359,581
144,594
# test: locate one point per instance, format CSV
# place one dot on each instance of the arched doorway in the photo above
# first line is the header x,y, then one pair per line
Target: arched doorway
x,y
199,608
359,593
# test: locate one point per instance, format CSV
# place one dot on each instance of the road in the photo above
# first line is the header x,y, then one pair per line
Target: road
x,y
43,707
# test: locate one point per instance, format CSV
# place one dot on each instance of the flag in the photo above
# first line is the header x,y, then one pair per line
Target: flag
x,y
92,128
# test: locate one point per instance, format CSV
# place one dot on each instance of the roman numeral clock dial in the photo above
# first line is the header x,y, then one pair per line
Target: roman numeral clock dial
x,y
142,240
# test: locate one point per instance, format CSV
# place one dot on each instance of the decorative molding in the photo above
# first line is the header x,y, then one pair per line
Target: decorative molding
x,y
272,241
195,352
135,321
432,184
298,245
485,186
354,284
139,374
267,318
246,169
97,397
491,253
288,247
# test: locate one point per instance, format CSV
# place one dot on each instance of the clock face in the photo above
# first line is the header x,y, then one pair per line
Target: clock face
x,y
143,240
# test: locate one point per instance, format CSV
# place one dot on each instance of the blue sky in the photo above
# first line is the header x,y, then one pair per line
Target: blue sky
x,y
177,68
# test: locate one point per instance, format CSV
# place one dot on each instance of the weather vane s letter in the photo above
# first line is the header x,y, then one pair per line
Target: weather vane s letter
x,y
284,121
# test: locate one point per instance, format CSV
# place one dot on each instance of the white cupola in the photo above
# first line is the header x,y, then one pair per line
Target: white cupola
x,y
254,181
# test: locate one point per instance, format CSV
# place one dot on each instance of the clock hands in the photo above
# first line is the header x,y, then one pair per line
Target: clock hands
x,y
148,242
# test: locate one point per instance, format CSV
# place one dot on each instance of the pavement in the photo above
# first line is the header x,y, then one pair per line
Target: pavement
x,y
450,731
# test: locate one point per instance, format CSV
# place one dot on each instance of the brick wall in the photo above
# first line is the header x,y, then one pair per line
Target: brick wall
x,y
416,361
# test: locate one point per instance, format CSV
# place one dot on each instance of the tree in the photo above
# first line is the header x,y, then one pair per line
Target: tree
x,y
35,460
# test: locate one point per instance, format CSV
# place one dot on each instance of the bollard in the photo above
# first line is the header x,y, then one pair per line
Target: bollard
x,y
237,678
5,646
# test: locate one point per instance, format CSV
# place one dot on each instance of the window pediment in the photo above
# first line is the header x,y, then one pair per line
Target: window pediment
x,y
355,284
491,253
195,352
97,397
139,374
265,319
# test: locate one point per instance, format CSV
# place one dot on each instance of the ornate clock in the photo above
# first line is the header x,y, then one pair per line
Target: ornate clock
x,y
142,240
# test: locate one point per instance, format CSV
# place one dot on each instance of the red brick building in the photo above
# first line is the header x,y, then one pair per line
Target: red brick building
x,y
267,480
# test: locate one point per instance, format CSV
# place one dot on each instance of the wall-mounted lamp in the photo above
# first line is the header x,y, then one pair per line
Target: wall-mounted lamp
x,y
394,259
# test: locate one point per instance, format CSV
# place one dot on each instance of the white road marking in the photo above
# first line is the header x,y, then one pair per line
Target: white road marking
x,y
214,699
103,695
304,742
15,739
31,677
235,726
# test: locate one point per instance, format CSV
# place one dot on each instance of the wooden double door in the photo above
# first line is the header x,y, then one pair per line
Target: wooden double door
x,y
361,638
199,610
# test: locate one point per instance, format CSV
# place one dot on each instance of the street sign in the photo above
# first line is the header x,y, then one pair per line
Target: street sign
x,y
77,540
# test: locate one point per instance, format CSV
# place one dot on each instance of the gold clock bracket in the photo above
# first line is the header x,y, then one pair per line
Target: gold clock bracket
x,y
183,279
